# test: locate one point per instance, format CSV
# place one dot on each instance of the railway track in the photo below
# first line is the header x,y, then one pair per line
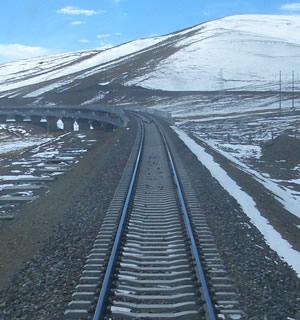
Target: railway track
x,y
146,261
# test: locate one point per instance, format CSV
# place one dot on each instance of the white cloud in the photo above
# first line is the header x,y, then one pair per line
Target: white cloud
x,y
17,51
294,6
103,35
84,41
77,23
76,11
108,35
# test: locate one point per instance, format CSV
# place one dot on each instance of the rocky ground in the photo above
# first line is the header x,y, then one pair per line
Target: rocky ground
x,y
45,247
280,156
43,250
266,141
268,287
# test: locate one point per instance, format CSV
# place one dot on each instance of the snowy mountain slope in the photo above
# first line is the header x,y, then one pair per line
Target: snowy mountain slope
x,y
44,69
18,71
233,53
240,52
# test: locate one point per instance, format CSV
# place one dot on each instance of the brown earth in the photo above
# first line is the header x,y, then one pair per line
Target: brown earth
x,y
283,147
22,238
281,219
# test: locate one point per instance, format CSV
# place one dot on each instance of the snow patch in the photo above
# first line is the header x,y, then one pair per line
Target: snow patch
x,y
273,238
210,56
288,198
267,43
6,147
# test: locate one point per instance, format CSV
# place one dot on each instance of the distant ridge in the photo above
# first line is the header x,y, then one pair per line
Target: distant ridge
x,y
242,52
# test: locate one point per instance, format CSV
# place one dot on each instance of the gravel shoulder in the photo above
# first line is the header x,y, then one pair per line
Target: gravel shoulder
x,y
50,239
281,219
43,250
268,288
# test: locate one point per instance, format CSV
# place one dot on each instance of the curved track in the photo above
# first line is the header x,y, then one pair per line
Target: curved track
x,y
154,268
157,264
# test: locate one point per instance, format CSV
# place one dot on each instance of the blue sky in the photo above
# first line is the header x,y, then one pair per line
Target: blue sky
x,y
37,27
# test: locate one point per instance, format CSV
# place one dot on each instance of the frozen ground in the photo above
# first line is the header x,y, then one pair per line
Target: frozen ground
x,y
16,138
260,140
241,139
222,105
273,238
239,126
30,157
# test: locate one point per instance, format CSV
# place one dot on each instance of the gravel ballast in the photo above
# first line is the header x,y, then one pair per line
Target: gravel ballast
x,y
268,288
42,284
46,245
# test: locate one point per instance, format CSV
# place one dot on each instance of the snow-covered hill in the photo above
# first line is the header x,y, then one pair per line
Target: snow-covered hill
x,y
234,53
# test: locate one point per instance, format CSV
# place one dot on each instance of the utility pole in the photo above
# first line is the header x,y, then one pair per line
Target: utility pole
x,y
221,79
280,91
293,90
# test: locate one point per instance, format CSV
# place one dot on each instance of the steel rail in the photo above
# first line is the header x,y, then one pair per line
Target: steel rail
x,y
102,301
101,304
198,264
